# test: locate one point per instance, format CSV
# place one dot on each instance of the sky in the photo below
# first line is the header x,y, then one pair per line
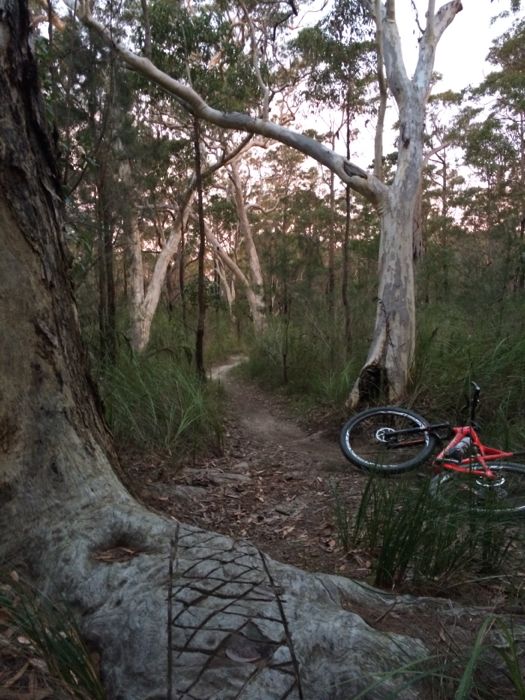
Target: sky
x,y
463,48
460,55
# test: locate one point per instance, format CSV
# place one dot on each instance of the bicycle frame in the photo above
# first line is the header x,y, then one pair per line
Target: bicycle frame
x,y
478,463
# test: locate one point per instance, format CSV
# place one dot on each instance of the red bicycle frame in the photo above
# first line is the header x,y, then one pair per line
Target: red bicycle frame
x,y
482,454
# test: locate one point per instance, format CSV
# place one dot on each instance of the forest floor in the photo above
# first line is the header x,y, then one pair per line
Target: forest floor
x,y
274,485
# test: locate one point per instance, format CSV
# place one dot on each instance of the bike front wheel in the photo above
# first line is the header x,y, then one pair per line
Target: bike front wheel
x,y
502,495
389,439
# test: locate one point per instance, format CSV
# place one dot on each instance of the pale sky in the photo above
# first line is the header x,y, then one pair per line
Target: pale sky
x,y
460,56
461,53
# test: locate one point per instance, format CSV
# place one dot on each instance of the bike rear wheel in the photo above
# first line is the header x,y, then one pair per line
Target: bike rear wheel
x,y
504,495
370,440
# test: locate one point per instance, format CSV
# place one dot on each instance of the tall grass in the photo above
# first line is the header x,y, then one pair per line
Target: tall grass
x,y
413,540
461,674
454,348
158,402
54,636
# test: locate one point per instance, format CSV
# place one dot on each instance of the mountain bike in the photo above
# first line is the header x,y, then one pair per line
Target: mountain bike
x,y
393,440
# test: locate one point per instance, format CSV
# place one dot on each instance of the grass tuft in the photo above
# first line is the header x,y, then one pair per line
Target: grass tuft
x,y
412,539
158,402
53,635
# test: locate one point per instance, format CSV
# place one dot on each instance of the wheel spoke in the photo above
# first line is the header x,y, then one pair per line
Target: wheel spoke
x,y
503,494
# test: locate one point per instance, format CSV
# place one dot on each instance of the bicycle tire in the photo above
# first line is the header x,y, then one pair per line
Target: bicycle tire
x,y
477,494
362,443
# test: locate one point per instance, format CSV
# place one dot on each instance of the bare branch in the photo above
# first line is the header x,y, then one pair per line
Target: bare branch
x,y
417,16
445,15
225,258
393,56
436,25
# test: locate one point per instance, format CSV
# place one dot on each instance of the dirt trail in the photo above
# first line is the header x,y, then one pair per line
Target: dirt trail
x,y
273,485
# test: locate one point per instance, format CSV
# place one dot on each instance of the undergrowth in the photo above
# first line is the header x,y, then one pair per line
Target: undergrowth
x,y
156,401
413,540
49,636
489,668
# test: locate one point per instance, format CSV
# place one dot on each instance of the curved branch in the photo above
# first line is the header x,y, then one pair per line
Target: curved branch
x,y
358,179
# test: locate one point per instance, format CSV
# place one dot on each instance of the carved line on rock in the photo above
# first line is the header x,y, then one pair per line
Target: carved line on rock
x,y
289,640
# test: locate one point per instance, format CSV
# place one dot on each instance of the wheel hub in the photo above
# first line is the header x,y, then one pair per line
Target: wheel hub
x,y
382,434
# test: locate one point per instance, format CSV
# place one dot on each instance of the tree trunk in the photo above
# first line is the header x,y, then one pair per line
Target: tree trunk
x,y
106,281
227,286
256,289
252,297
387,367
134,275
201,291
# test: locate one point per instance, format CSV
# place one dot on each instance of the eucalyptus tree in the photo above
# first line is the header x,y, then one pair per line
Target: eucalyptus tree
x,y
257,304
336,57
392,348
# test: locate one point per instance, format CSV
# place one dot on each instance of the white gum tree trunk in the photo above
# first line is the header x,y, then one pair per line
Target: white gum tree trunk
x,y
228,287
143,305
391,354
252,297
256,288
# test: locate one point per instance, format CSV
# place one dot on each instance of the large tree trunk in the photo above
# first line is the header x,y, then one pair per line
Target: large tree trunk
x,y
387,367
392,350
